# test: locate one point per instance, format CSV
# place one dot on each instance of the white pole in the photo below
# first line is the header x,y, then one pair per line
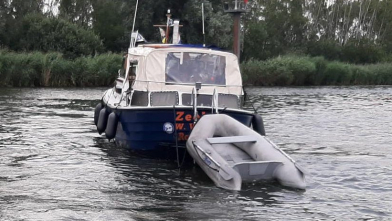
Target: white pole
x,y
134,18
202,15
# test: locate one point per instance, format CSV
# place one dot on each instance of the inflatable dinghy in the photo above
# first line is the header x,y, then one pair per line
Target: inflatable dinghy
x,y
231,153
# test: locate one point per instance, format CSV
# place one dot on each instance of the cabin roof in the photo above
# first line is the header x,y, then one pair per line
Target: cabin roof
x,y
154,69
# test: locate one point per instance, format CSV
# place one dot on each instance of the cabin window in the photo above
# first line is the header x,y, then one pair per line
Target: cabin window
x,y
139,98
164,98
190,67
228,100
224,100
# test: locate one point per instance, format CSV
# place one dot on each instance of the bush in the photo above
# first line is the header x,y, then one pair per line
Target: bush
x,y
337,73
302,68
329,49
380,74
54,34
318,77
360,75
100,70
283,71
362,52
52,69
297,70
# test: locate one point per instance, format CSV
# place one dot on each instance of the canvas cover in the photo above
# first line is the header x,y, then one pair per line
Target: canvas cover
x,y
157,67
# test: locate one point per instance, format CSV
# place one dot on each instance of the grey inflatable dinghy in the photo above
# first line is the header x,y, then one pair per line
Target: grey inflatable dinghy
x,y
231,153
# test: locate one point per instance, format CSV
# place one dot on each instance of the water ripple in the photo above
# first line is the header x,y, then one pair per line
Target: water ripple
x,y
54,166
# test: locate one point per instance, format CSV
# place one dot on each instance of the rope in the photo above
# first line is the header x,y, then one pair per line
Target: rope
x,y
175,135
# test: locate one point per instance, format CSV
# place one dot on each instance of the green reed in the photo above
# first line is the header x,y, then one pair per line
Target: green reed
x,y
36,69
292,70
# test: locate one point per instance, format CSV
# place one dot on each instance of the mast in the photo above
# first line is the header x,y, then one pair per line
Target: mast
x,y
134,35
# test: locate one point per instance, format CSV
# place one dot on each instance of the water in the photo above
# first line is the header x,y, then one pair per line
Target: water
x,y
54,165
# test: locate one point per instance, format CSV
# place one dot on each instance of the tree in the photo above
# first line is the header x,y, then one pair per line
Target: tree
x,y
49,34
20,8
108,23
4,16
77,11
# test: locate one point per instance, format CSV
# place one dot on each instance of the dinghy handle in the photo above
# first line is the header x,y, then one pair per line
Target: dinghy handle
x,y
224,174
205,153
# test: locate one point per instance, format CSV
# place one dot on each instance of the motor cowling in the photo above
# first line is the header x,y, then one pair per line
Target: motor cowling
x,y
258,124
102,121
98,108
111,127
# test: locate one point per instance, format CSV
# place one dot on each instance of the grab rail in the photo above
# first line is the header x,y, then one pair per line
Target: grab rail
x,y
194,100
221,170
207,155
214,104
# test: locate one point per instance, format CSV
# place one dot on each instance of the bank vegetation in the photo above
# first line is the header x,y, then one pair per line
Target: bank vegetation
x,y
37,69
285,42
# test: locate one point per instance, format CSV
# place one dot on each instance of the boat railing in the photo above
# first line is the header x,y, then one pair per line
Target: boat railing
x,y
194,103
215,103
213,97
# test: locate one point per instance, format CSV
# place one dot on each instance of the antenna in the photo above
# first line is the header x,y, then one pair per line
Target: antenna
x,y
202,15
134,37
134,17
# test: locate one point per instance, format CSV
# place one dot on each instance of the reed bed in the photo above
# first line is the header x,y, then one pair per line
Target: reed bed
x,y
292,70
36,69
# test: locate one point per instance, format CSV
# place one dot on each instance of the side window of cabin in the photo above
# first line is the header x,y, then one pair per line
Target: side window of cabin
x,y
132,70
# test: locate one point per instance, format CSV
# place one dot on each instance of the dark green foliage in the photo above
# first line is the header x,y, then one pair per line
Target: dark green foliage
x,y
318,76
52,69
76,11
337,73
49,34
287,70
100,70
380,74
302,71
329,49
361,75
362,52
256,41
356,32
109,25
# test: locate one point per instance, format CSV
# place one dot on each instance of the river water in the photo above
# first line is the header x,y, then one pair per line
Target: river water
x,y
55,166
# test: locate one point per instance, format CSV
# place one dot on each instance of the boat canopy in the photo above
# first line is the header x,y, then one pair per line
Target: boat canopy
x,y
163,68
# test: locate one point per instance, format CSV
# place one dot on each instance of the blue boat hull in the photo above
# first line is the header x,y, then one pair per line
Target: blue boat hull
x,y
161,132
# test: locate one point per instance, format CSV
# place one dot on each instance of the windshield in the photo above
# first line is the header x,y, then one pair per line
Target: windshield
x,y
189,67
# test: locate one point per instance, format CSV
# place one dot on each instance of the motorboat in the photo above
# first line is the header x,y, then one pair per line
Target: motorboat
x,y
162,91
173,101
